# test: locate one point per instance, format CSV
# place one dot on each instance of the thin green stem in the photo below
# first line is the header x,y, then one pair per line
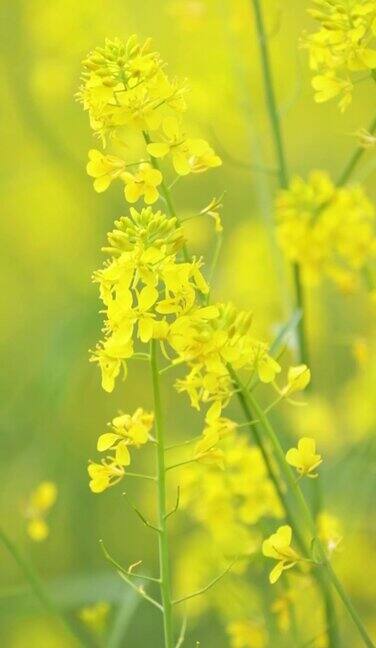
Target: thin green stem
x,y
293,519
38,587
166,194
140,476
270,95
295,489
354,159
349,606
164,554
280,156
214,263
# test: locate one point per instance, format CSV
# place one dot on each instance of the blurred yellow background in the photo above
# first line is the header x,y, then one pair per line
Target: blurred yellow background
x,y
53,226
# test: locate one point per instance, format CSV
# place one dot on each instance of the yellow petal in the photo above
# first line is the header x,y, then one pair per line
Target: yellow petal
x,y
276,572
106,441
151,195
101,184
158,150
132,192
145,329
122,454
181,164
147,298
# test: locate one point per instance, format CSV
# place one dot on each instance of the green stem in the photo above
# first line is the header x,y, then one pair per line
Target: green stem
x,y
294,487
349,605
166,194
164,554
37,586
291,517
280,155
355,158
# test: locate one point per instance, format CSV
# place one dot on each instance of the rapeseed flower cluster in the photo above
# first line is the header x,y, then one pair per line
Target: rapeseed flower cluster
x,y
326,230
127,93
343,46
149,290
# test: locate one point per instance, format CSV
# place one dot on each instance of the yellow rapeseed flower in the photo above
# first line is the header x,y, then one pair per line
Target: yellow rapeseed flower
x,y
188,155
126,430
104,169
142,183
304,457
105,474
277,546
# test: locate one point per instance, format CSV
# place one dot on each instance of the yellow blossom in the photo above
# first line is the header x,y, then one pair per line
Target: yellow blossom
x,y
126,430
105,474
277,546
297,379
206,451
104,169
40,502
142,183
304,457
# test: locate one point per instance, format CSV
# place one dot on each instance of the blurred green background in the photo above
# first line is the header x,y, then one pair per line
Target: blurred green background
x,y
52,228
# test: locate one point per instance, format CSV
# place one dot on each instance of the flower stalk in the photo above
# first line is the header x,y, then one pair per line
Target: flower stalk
x,y
301,503
283,174
164,553
39,589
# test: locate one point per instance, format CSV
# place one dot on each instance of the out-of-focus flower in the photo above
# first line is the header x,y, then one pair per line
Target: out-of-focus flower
x,y
342,46
326,230
41,501
365,139
247,634
330,530
95,616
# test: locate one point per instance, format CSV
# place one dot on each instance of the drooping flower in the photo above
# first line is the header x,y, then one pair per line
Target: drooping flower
x,y
304,457
105,474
